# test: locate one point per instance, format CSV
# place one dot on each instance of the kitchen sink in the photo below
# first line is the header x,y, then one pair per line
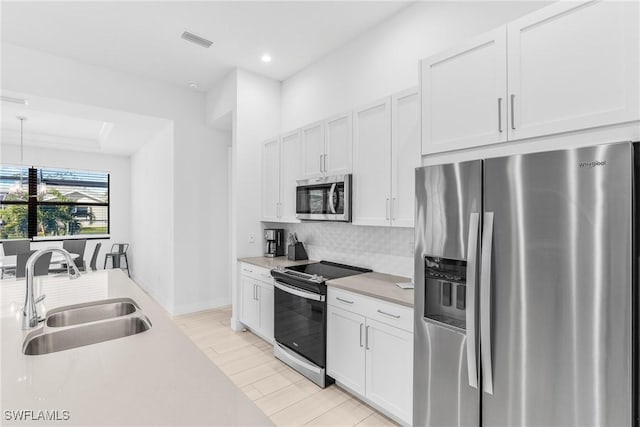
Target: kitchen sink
x,y
90,312
44,340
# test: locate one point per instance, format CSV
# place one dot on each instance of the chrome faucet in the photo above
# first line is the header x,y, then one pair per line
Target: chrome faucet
x,y
30,317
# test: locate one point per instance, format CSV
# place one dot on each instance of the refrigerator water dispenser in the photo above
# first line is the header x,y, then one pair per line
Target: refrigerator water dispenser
x,y
445,291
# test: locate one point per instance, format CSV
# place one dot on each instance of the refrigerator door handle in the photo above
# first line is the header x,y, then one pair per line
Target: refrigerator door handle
x,y
472,270
485,304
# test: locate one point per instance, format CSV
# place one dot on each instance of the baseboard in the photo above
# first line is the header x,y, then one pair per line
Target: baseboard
x,y
200,305
236,325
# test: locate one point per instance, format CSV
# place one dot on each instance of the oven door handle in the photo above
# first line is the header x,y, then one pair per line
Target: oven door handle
x,y
298,292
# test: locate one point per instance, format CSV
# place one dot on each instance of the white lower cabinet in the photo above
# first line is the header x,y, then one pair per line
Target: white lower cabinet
x,y
250,307
256,300
265,296
370,356
389,368
345,348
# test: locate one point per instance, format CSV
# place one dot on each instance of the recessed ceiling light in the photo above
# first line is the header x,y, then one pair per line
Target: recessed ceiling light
x,y
193,85
200,41
266,58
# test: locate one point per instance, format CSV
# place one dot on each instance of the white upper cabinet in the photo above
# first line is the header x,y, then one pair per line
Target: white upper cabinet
x,y
405,155
280,170
386,152
338,144
372,164
573,66
312,150
271,180
464,95
567,67
326,147
290,173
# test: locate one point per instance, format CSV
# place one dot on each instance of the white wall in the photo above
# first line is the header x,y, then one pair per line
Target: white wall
x,y
200,239
28,71
222,98
152,217
255,117
385,59
120,194
258,118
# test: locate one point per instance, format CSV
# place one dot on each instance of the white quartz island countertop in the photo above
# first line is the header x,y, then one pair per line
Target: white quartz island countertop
x,y
157,377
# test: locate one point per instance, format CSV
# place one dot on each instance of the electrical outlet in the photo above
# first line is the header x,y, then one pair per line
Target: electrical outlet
x,y
252,238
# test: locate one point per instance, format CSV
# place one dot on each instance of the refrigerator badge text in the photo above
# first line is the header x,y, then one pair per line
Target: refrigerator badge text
x,y
589,165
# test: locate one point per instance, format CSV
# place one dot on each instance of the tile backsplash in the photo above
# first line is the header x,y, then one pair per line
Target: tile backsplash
x,y
382,249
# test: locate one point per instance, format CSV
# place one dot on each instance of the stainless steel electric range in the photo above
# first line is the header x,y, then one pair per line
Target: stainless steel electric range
x,y
300,310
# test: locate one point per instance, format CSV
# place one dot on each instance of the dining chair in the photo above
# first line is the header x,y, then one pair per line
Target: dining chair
x,y
13,247
40,269
94,257
118,250
76,246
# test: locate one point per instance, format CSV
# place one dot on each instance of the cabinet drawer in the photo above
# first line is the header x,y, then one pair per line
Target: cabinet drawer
x,y
347,300
390,313
255,272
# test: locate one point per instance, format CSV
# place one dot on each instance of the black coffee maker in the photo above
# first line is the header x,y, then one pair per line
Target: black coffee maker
x,y
274,241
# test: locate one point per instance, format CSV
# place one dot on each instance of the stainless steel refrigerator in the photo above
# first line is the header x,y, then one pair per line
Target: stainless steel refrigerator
x,y
526,290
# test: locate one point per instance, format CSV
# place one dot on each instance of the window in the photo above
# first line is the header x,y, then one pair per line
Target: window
x,y
49,203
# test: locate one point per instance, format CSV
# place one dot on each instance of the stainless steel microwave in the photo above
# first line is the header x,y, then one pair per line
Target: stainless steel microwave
x,y
324,199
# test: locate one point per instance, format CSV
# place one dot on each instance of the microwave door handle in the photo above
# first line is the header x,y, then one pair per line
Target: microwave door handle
x,y
331,194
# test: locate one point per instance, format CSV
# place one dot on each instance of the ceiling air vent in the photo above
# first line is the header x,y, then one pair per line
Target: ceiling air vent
x,y
14,100
196,39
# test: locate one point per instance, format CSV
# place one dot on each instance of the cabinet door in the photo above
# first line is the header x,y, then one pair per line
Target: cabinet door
x,y
265,295
389,366
290,172
250,305
312,150
345,348
271,180
573,66
338,144
464,95
405,144
372,164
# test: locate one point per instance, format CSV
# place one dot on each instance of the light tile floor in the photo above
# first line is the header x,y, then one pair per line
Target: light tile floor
x,y
287,397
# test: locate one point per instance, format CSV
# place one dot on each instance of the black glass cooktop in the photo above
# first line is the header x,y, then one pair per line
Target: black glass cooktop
x,y
329,270
312,276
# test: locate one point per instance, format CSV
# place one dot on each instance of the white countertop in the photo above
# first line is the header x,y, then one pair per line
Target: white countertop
x,y
268,262
377,285
158,377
